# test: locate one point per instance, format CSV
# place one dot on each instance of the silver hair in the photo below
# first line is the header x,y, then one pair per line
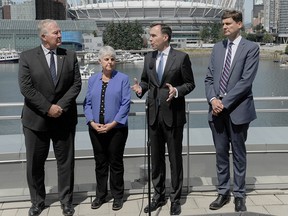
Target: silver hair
x,y
42,26
106,51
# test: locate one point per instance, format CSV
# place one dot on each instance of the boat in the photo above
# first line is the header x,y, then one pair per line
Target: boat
x,y
91,58
86,72
134,58
284,65
9,56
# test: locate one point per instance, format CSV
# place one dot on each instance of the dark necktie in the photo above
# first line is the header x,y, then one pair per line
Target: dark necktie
x,y
226,70
160,67
52,67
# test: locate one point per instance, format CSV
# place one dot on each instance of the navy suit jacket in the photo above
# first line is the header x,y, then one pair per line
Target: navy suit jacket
x,y
239,101
117,99
178,73
39,91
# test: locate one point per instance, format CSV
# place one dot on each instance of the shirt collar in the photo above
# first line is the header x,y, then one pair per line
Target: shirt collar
x,y
165,51
236,41
46,51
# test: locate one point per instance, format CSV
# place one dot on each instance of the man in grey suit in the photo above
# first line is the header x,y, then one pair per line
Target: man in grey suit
x,y
50,81
228,84
168,76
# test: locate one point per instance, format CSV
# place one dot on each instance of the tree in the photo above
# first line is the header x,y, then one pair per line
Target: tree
x,y
211,33
268,38
125,35
286,49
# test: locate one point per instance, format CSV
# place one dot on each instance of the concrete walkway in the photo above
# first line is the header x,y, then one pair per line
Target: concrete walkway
x,y
266,196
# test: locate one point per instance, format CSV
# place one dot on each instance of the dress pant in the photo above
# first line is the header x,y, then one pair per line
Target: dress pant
x,y
37,149
225,132
160,134
108,153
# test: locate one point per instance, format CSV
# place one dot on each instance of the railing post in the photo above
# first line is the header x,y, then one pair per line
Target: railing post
x,y
188,148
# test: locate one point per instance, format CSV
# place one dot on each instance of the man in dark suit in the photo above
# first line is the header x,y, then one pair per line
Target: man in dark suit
x,y
228,83
168,76
50,81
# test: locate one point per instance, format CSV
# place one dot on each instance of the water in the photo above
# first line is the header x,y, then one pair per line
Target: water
x,y
271,80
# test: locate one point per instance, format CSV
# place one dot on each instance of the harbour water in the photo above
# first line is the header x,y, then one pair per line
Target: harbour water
x,y
271,80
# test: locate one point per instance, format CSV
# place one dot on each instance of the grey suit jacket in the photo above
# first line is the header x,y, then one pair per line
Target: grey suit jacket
x,y
178,73
239,101
40,93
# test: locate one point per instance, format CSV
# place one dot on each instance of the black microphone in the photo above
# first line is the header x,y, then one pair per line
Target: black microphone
x,y
151,65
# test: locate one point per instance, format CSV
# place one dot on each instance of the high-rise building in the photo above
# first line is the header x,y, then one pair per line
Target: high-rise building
x,y
276,18
50,9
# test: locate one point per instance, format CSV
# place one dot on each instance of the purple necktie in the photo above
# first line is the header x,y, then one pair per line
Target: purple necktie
x,y
53,67
226,70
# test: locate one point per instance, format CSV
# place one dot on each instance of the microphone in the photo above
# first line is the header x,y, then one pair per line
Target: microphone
x,y
151,65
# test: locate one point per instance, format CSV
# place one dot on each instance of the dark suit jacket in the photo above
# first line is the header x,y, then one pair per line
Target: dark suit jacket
x,y
239,101
40,93
178,73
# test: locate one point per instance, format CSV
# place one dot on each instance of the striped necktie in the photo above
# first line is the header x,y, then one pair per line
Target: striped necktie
x,y
53,67
225,74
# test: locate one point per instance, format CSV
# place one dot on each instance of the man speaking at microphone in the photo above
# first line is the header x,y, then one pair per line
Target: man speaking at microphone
x,y
168,76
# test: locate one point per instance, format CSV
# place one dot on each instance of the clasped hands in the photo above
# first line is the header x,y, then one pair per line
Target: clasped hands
x,y
138,90
101,128
217,106
55,111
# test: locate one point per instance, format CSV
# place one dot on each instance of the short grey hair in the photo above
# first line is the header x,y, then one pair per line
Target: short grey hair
x,y
42,26
106,51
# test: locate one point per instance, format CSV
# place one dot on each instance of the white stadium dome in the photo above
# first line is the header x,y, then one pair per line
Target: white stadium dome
x,y
156,10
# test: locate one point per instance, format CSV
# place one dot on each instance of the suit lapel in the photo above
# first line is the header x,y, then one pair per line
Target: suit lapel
x,y
170,60
237,54
44,63
154,75
60,61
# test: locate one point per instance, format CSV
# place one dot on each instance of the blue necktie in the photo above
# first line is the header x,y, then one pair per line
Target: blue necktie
x,y
53,68
160,67
225,74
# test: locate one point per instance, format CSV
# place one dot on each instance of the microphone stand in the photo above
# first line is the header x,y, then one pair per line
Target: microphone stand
x,y
148,158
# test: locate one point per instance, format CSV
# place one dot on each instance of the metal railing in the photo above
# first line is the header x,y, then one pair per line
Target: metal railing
x,y
189,112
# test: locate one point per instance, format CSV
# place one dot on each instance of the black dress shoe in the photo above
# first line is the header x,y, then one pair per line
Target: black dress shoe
x,y
154,205
117,204
97,203
36,210
240,204
175,208
68,209
219,202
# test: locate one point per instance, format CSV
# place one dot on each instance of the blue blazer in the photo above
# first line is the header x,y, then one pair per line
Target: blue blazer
x,y
239,99
117,99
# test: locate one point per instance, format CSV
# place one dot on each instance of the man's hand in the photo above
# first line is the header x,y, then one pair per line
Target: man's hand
x,y
217,106
136,87
172,92
55,111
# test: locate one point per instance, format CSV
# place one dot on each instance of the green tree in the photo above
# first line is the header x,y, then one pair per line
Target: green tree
x,y
268,38
286,49
124,35
251,37
211,33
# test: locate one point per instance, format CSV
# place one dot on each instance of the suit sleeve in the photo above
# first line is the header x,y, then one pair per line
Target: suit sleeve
x,y
122,115
187,76
33,97
144,78
209,79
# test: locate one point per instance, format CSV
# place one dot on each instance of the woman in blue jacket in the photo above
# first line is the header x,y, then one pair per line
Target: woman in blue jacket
x,y
106,109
